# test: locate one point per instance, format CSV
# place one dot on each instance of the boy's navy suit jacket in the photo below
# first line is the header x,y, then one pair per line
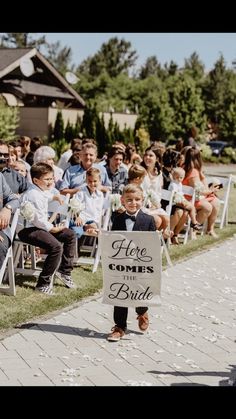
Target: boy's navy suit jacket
x,y
143,222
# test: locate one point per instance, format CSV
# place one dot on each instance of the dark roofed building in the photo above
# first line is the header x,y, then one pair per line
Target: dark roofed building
x,y
29,81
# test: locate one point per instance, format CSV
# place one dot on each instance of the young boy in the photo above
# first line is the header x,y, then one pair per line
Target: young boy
x,y
42,233
89,219
133,219
19,166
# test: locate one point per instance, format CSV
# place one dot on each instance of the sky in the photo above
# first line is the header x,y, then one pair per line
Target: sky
x,y
165,46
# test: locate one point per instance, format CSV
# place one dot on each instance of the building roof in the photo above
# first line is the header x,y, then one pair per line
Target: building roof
x,y
10,55
25,87
41,88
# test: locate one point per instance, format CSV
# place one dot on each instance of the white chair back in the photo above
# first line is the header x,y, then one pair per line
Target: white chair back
x,y
167,196
190,191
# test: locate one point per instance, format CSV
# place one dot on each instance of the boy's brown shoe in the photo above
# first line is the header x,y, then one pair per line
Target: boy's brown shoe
x,y
143,321
116,334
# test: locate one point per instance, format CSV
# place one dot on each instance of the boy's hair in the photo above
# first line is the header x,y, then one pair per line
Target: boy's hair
x,y
93,171
86,141
131,188
136,171
88,145
40,169
114,151
178,171
20,162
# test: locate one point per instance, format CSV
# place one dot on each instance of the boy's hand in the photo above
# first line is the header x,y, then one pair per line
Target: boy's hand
x,y
78,221
91,229
121,209
58,198
57,229
90,226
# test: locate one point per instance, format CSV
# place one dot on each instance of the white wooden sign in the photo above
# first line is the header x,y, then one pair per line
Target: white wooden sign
x,y
131,264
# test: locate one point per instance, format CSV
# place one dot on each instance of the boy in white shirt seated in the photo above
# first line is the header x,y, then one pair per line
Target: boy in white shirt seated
x,y
89,219
58,241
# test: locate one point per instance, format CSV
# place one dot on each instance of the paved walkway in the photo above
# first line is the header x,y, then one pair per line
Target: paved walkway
x,y
191,340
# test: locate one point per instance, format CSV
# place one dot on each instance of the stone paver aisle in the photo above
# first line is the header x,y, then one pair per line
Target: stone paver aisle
x,y
191,339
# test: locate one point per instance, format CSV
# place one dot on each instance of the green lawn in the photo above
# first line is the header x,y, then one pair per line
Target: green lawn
x,y
28,305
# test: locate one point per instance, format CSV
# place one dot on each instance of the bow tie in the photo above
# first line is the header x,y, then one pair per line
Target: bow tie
x,y
131,217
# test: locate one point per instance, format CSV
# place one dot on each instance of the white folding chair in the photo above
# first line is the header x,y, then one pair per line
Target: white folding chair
x,y
226,181
188,231
91,246
8,262
167,196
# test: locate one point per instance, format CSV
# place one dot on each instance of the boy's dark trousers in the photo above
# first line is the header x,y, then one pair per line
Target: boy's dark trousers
x,y
59,247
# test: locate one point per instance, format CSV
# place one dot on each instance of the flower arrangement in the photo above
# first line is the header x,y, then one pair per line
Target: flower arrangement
x,y
27,211
178,198
75,207
151,200
199,189
115,201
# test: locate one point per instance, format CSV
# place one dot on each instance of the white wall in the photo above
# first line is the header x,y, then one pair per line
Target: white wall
x,y
36,121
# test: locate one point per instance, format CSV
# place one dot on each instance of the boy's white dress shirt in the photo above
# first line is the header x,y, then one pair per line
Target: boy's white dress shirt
x,y
93,204
39,200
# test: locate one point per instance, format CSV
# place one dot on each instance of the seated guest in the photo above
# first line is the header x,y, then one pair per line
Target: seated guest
x,y
75,176
57,241
8,204
14,179
89,219
47,155
117,173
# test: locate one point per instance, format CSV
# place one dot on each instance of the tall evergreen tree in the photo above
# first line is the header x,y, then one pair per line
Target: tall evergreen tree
x,y
216,90
89,121
187,104
194,66
77,127
101,136
115,57
59,56
151,68
69,132
58,132
171,68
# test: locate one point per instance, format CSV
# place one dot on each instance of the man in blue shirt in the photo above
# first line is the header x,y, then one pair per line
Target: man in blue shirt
x,y
75,176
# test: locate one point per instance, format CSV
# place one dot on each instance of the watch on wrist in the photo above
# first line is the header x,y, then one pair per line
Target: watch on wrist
x,y
8,206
